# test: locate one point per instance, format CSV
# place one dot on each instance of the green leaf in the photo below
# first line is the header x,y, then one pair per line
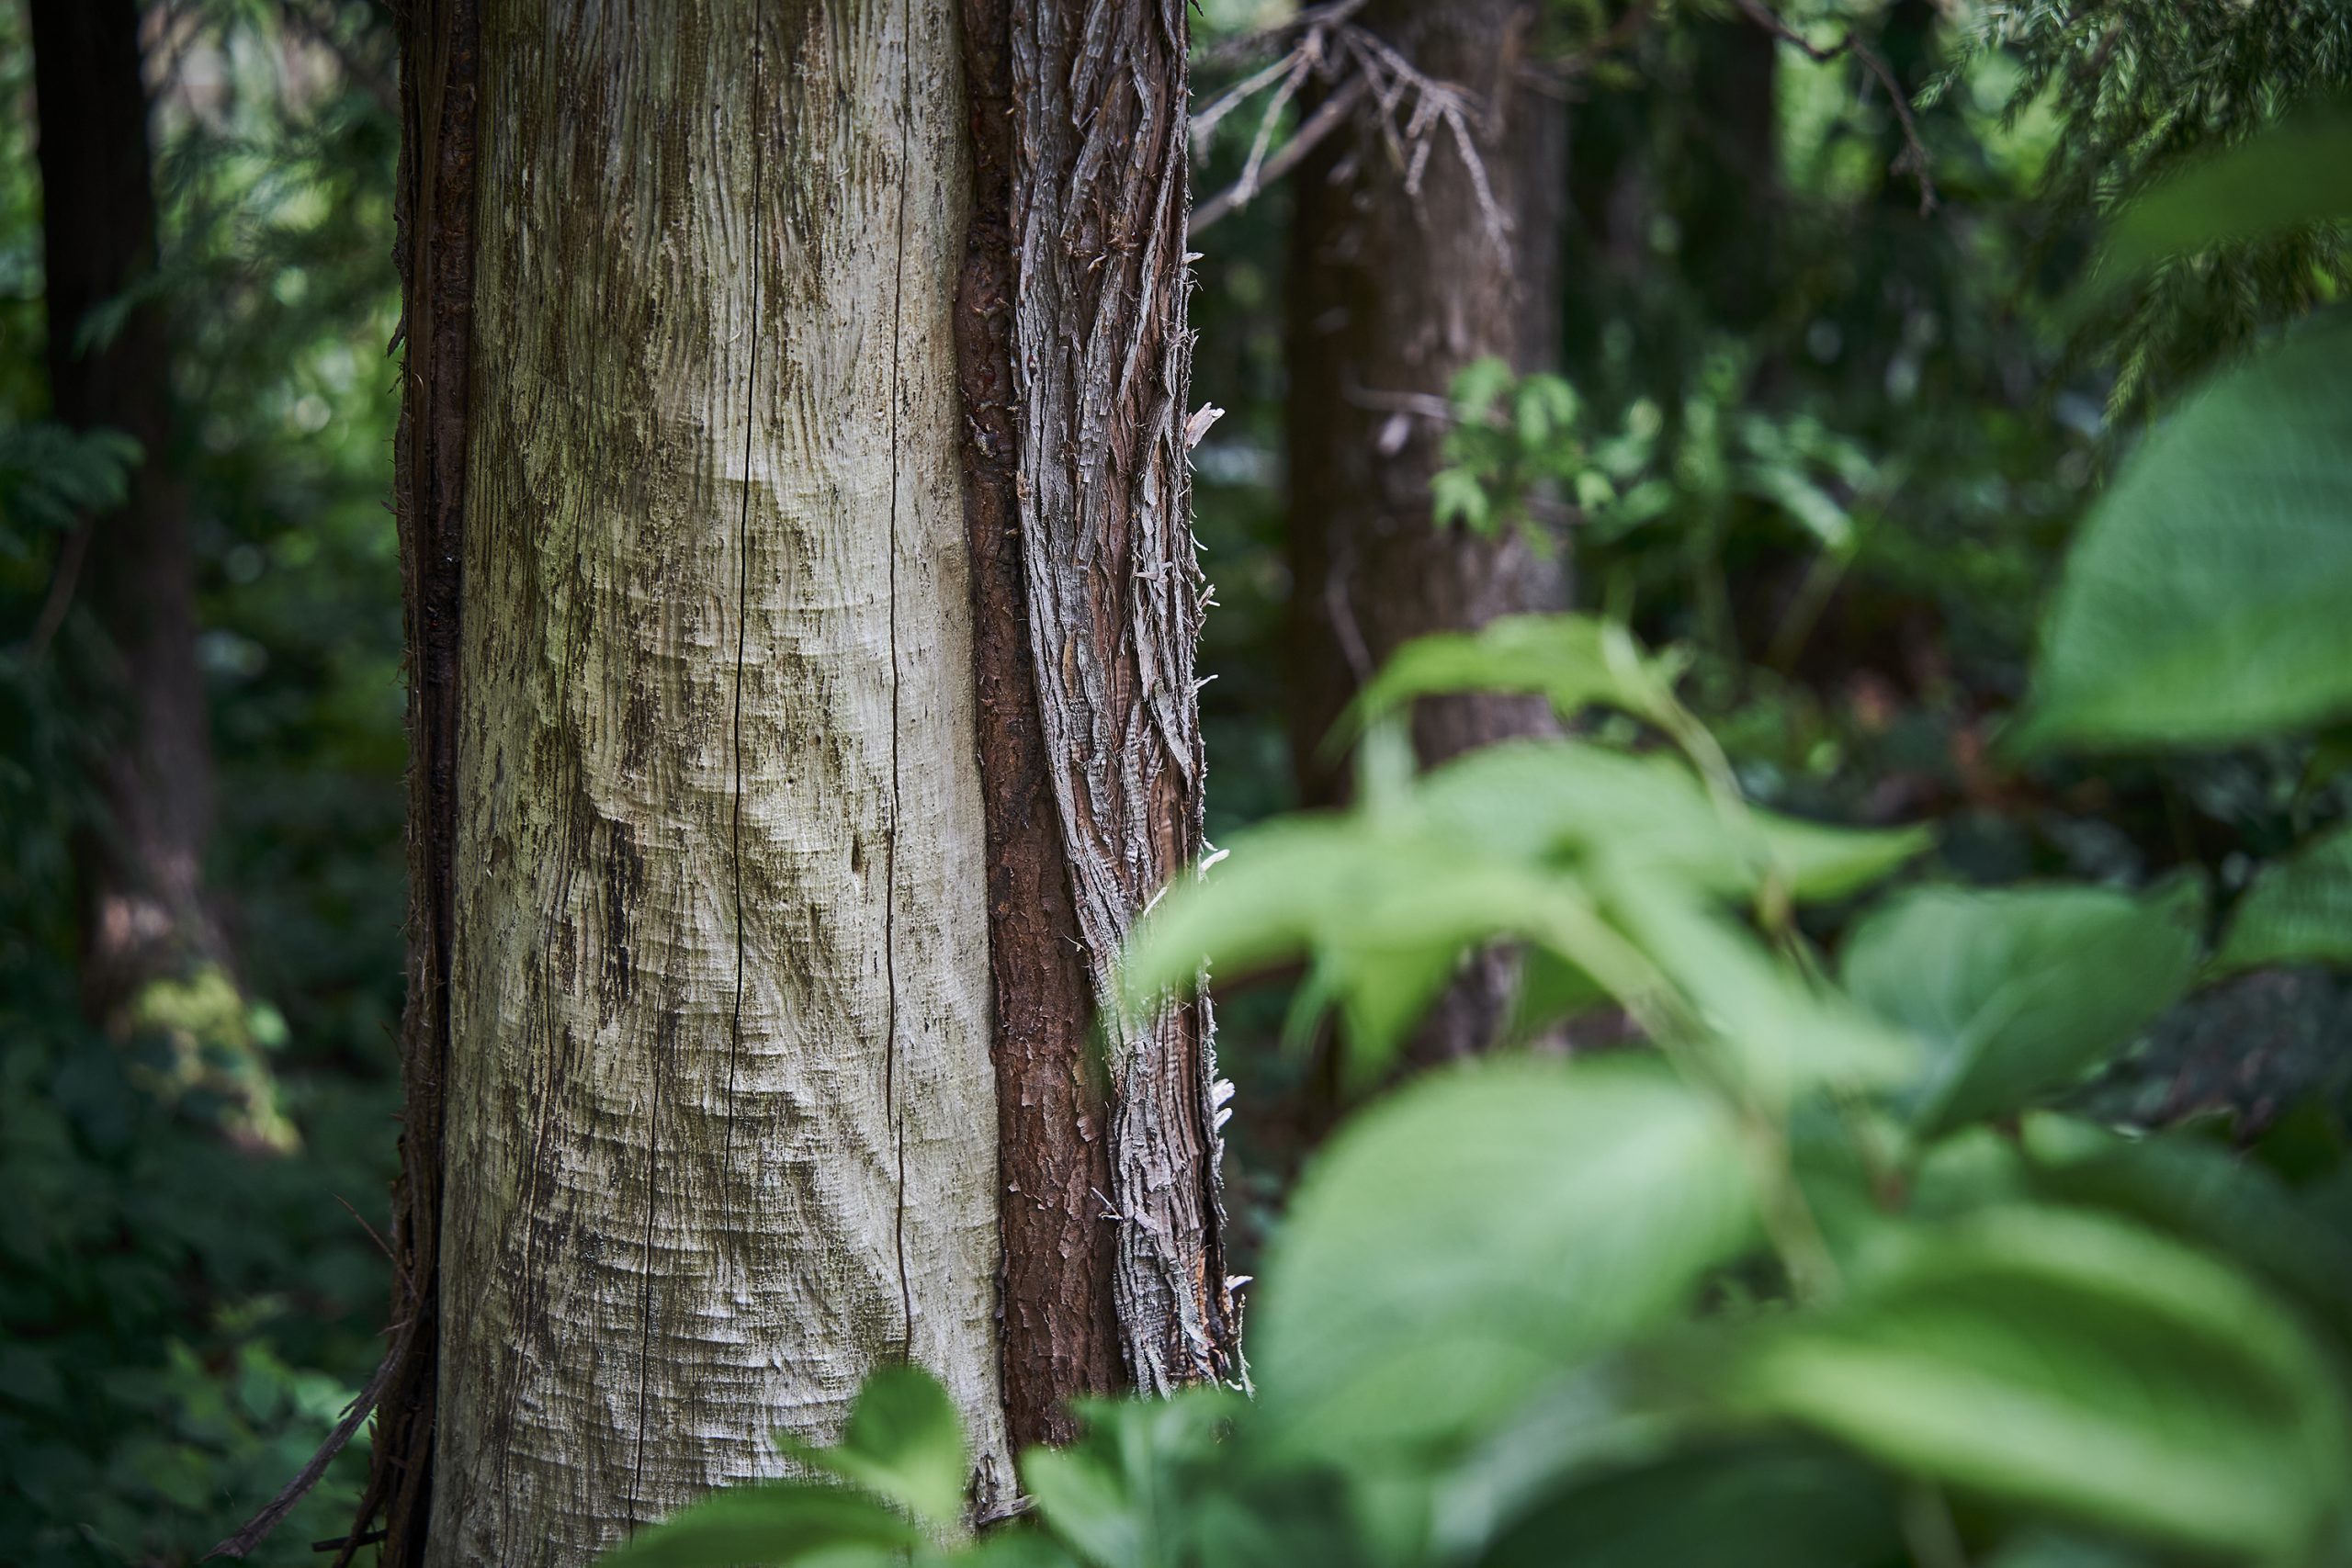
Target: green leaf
x,y
904,1442
2203,603
1780,1033
1751,1508
1647,814
1576,661
2298,911
1488,1227
774,1522
2286,177
2201,1192
2015,993
2070,1363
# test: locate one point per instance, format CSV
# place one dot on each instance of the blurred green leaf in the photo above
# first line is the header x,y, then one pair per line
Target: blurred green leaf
x,y
2067,1361
2015,993
904,1442
771,1522
2298,911
2284,177
1755,1507
2203,603
1467,1240
1575,662
2202,1193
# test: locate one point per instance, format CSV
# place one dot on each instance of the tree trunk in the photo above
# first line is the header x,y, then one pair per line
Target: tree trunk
x,y
143,915
802,661
1391,293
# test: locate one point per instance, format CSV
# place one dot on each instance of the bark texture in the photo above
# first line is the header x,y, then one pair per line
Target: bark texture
x,y
144,915
1075,360
1391,293
440,58
719,1111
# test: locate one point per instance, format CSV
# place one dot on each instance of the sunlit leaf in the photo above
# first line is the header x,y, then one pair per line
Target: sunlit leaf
x,y
2069,1362
1481,1232
2203,603
2015,993
2298,911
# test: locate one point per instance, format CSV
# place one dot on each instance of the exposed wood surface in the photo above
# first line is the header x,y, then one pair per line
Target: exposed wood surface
x,y
720,1121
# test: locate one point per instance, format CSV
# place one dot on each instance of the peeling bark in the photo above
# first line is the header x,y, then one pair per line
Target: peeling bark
x,y
1076,366
1390,295
768,441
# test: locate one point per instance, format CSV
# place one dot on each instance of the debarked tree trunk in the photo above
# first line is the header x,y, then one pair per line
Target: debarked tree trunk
x,y
754,351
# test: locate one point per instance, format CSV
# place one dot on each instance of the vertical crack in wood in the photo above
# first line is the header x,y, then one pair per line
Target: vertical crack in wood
x,y
891,850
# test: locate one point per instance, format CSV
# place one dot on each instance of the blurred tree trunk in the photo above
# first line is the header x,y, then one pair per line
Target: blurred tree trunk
x,y
801,610
143,913
1391,294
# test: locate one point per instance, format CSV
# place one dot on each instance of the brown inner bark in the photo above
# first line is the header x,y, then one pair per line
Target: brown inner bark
x,y
1059,1321
435,244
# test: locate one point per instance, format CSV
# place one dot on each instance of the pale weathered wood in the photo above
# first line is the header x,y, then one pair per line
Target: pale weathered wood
x,y
720,1125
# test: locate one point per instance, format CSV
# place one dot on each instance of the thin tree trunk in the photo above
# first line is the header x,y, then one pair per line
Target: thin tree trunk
x,y
143,915
739,384
1391,294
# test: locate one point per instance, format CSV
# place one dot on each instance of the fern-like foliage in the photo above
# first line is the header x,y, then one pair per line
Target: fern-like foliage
x,y
2141,88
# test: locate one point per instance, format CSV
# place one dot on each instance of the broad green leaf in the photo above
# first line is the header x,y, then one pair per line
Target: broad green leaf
x,y
1649,813
2015,993
1113,1495
2203,603
1747,1507
775,1522
1782,1033
1576,661
2063,1361
1477,1235
904,1442
2298,911
2202,1193
1085,1499
2286,177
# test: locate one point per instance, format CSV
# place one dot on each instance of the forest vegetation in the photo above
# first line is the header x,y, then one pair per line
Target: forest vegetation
x,y
655,659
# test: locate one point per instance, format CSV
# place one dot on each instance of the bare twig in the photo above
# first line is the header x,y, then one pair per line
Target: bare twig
x,y
1914,160
60,597
1327,117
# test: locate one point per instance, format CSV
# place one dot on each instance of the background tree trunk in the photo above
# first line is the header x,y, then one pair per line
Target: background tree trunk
x,y
144,915
711,454
1390,295
720,1129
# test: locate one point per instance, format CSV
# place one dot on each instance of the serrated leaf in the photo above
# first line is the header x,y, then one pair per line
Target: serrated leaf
x,y
2015,993
904,1442
2070,1363
2298,911
2203,603
1482,1230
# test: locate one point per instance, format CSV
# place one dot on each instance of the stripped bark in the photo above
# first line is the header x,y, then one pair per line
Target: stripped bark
x,y
719,1120
701,1124
1391,292
1076,366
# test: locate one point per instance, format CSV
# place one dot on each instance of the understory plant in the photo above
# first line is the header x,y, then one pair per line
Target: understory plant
x,y
1822,1271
